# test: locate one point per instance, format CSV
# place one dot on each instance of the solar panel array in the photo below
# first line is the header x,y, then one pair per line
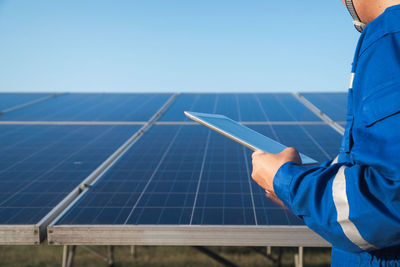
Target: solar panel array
x,y
242,107
175,174
92,107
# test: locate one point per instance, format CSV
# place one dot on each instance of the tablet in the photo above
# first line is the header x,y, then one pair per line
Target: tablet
x,y
241,134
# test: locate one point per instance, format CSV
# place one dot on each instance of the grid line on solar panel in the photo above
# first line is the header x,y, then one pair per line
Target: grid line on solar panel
x,y
242,107
92,107
40,165
10,101
332,104
225,196
251,188
202,167
200,176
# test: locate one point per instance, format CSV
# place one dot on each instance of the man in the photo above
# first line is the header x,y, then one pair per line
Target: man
x,y
354,200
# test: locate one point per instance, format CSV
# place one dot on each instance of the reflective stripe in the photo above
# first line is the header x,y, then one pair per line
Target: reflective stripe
x,y
342,208
335,160
351,80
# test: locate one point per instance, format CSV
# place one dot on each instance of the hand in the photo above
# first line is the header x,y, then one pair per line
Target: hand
x,y
265,166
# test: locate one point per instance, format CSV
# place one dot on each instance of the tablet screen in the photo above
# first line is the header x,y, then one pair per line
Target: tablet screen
x,y
241,134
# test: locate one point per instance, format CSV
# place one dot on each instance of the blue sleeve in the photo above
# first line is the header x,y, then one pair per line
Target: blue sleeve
x,y
320,195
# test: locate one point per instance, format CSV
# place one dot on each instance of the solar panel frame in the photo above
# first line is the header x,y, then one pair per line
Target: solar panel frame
x,y
184,235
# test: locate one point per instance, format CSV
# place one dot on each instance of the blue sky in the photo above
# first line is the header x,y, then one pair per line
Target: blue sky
x,y
175,45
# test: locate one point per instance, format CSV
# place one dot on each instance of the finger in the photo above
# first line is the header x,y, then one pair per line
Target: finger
x,y
256,153
291,154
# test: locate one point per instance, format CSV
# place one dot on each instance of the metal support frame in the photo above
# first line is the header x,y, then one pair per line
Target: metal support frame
x,y
298,258
133,252
280,251
215,256
68,256
69,253
110,250
268,250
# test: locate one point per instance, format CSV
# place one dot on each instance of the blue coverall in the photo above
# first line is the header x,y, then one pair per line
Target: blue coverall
x,y
354,201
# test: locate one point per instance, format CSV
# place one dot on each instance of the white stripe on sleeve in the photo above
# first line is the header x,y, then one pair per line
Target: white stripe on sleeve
x,y
342,208
335,160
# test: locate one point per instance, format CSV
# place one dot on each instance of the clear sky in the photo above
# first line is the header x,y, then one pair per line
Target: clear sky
x,y
175,45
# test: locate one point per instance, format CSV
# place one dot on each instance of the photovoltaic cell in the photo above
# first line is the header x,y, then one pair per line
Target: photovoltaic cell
x,y
189,175
40,165
92,107
332,104
241,107
11,100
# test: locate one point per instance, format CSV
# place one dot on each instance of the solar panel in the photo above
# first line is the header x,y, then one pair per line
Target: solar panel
x,y
332,104
40,165
241,107
178,184
92,107
188,176
12,100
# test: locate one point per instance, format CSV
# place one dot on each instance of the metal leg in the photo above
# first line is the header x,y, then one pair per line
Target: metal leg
x,y
71,256
279,260
215,256
68,256
133,252
268,252
298,258
65,256
110,250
